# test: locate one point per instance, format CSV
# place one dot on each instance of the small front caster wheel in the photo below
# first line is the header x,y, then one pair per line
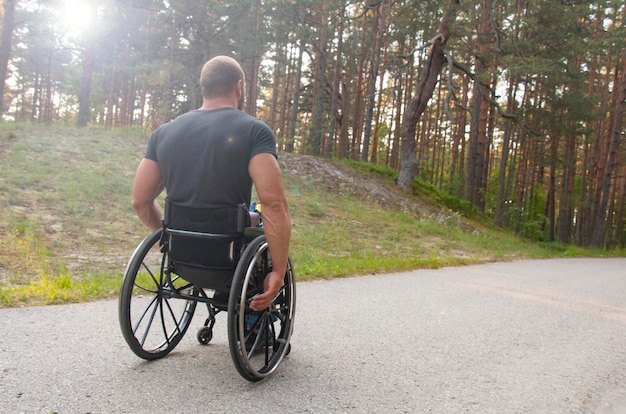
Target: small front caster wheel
x,y
205,334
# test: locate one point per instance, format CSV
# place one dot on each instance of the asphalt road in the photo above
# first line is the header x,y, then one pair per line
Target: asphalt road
x,y
543,336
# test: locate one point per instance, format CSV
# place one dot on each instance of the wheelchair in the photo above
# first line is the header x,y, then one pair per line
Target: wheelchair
x,y
215,257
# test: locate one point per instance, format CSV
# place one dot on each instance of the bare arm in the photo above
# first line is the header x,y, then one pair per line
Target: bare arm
x,y
147,186
267,178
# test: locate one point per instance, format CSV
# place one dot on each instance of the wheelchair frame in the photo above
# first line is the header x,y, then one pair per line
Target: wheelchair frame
x,y
157,304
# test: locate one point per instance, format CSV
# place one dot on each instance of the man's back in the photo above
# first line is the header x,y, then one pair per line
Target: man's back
x,y
204,156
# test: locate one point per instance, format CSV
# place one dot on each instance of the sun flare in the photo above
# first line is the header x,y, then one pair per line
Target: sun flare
x,y
76,15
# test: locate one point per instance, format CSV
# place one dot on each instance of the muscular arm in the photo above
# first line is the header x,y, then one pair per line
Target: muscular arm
x,y
267,178
147,186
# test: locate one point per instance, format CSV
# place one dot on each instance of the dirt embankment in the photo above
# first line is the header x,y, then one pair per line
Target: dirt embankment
x,y
341,181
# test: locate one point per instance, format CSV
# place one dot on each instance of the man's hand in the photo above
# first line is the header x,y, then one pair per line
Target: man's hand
x,y
273,282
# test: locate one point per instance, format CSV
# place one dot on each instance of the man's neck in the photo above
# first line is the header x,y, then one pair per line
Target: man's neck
x,y
218,102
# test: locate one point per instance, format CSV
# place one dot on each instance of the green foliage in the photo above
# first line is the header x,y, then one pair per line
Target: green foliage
x,y
455,203
381,170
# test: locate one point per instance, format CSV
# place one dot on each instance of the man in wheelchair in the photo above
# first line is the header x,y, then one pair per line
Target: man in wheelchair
x,y
210,157
207,161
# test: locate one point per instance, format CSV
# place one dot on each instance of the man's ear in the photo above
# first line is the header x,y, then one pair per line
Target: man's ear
x,y
240,87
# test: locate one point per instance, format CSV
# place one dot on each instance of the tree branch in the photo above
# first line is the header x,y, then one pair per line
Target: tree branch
x,y
488,98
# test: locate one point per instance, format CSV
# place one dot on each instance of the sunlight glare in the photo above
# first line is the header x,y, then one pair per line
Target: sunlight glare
x,y
76,15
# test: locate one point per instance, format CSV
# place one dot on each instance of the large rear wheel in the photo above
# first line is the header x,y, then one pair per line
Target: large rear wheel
x,y
152,321
259,340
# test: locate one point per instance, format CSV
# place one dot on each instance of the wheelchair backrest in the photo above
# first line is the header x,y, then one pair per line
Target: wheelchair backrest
x,y
207,238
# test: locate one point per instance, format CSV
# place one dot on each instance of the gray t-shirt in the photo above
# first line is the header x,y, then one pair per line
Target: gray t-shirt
x,y
204,154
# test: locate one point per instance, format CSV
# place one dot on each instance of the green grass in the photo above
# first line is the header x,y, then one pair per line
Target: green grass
x,y
67,228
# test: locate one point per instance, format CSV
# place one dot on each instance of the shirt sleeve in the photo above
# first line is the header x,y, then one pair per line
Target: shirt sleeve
x,y
264,140
151,153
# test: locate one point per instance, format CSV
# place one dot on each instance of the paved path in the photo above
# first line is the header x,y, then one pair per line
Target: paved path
x,y
545,336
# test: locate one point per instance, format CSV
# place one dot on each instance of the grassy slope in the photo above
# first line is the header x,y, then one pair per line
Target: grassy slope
x,y
67,227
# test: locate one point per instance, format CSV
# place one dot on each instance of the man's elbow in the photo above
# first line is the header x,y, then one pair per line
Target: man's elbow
x,y
276,206
276,210
140,206
137,206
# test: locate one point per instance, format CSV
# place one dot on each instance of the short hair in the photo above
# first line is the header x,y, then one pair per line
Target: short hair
x,y
219,75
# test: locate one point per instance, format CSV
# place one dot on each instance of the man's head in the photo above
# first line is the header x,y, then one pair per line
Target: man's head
x,y
219,76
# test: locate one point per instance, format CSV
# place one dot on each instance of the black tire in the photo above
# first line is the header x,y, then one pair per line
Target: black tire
x,y
267,333
152,322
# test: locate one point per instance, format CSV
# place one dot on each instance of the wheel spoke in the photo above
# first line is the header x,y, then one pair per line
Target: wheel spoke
x,y
145,266
176,322
143,315
155,301
163,325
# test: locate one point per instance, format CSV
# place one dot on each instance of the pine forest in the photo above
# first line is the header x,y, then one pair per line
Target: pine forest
x,y
513,109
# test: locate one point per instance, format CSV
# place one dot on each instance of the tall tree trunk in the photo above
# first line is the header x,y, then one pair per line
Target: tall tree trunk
x,y
35,105
276,91
581,211
599,229
566,200
357,117
478,149
47,103
284,108
334,100
89,58
253,71
125,99
8,21
612,205
295,100
458,143
381,77
379,31
618,237
551,203
344,141
319,84
504,156
398,99
601,155
425,89
595,170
